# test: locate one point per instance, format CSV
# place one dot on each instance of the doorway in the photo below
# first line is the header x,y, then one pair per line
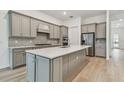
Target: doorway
x,y
117,35
115,41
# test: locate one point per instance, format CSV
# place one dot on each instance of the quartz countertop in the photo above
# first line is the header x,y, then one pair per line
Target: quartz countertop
x,y
54,52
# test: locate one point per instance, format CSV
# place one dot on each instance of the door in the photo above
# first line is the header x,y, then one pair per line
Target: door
x,y
74,35
25,24
115,40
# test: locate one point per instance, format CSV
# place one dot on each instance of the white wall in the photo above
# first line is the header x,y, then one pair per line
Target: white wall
x,y
73,24
4,29
4,53
95,19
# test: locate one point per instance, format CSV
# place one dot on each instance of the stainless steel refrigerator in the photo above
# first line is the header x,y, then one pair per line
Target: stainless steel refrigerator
x,y
89,39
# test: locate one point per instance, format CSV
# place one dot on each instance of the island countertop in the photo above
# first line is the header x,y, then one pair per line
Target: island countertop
x,y
54,52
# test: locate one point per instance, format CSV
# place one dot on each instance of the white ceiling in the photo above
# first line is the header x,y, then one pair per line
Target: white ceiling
x,y
84,13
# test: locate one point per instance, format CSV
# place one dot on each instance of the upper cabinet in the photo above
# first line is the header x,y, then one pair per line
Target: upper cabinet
x,y
43,27
51,31
88,28
20,25
101,30
64,31
25,26
54,32
84,28
91,28
34,27
15,22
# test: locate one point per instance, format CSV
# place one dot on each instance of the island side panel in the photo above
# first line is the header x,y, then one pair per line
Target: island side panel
x,y
42,69
30,66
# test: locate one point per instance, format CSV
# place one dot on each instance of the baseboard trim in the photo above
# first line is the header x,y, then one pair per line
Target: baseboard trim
x,y
6,68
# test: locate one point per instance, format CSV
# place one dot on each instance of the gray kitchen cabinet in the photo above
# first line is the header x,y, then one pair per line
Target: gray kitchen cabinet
x,y
65,66
30,66
25,26
51,31
57,70
56,32
42,69
100,48
72,62
20,25
88,28
84,29
91,28
43,27
15,22
64,31
18,58
34,27
101,30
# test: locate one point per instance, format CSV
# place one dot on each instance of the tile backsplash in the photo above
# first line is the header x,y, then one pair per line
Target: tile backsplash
x,y
40,39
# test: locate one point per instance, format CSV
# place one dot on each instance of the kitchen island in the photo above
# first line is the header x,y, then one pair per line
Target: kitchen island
x,y
54,64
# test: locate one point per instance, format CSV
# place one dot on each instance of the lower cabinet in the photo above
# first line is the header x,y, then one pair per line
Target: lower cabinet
x,y
72,62
65,66
17,58
57,70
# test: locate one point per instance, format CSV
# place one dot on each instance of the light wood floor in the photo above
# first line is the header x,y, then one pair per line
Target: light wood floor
x,y
97,70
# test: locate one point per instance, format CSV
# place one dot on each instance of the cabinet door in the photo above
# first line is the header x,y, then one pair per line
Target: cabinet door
x,y
51,31
30,66
64,31
25,25
57,70
65,66
91,28
72,59
16,24
42,69
101,30
19,59
34,27
56,32
84,29
100,48
43,27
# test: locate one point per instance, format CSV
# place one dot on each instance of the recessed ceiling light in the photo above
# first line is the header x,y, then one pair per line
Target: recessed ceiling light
x,y
64,13
121,20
